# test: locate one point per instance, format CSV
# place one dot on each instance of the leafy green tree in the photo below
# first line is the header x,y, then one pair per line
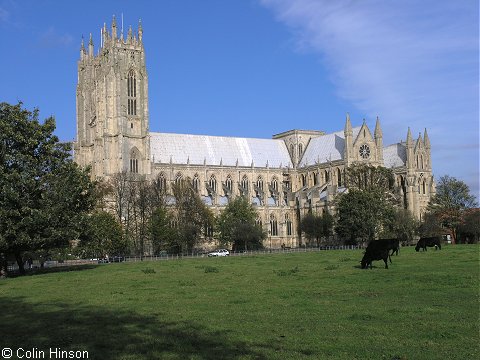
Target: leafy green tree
x,y
430,226
164,236
237,228
312,226
191,214
450,203
362,214
469,231
402,226
366,177
102,236
43,194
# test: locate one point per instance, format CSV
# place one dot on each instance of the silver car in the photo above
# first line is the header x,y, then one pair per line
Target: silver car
x,y
219,252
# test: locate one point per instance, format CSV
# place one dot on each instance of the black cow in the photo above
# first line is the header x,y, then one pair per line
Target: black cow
x,y
430,242
377,250
391,244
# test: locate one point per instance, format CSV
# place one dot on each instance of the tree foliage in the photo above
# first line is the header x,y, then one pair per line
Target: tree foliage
x,y
402,226
469,231
368,207
191,214
43,193
450,203
102,236
236,226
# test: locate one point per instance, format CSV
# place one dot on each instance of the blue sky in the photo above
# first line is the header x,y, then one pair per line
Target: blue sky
x,y
254,68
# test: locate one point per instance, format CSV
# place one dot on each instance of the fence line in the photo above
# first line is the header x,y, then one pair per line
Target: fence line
x,y
193,255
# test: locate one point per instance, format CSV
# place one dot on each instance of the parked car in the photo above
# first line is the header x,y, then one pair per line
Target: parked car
x,y
219,252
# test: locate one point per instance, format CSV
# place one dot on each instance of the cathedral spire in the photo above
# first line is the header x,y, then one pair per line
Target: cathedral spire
x,y
419,142
114,28
348,125
140,31
378,130
90,46
409,138
426,140
130,36
82,50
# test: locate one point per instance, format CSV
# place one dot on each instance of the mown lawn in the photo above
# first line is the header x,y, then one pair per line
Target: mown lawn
x,y
281,306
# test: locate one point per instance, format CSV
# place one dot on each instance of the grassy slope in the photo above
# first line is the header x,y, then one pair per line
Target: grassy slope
x,y
283,306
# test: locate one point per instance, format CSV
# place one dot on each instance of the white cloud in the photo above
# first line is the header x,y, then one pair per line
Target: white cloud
x,y
413,63
4,15
51,38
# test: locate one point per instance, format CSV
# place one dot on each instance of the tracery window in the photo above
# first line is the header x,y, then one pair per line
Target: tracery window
x,y
196,183
275,184
273,226
134,161
228,183
260,183
162,182
339,176
131,93
179,179
288,222
300,151
245,182
213,183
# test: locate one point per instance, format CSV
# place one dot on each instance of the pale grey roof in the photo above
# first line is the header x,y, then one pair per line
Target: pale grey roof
x,y
326,147
394,155
195,149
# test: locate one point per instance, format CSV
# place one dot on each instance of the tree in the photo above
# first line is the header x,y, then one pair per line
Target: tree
x,y
366,177
237,228
469,231
102,235
362,214
312,226
43,193
164,236
450,203
368,206
402,226
316,226
191,214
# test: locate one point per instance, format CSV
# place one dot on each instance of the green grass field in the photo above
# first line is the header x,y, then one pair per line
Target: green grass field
x,y
281,306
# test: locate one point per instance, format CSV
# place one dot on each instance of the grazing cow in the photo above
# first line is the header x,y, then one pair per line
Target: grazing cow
x,y
430,242
376,250
391,244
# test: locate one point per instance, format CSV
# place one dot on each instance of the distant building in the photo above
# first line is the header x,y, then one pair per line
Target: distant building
x,y
284,177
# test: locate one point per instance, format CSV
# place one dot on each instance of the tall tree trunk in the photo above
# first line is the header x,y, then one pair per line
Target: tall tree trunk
x,y
3,266
20,264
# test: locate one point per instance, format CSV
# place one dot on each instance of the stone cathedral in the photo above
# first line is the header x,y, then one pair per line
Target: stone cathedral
x,y
284,177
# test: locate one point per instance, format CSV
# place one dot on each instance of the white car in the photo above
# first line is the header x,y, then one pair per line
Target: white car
x,y
219,252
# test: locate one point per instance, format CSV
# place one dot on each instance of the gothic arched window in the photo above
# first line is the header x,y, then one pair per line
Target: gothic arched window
x,y
134,161
260,183
273,226
245,183
304,179
162,182
213,183
339,175
228,182
275,184
131,93
288,222
179,179
300,151
196,183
